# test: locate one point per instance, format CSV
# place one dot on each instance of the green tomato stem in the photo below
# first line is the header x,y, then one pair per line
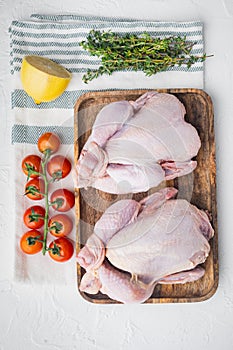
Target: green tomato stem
x,y
46,197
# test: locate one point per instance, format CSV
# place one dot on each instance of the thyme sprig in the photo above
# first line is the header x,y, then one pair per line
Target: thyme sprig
x,y
138,53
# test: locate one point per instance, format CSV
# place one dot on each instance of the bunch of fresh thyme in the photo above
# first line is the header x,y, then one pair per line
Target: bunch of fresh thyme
x,y
139,53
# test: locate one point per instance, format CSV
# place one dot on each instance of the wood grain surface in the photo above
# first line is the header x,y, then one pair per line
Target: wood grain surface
x,y
199,187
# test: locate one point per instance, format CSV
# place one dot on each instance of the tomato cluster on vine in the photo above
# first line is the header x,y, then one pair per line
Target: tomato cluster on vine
x,y
61,200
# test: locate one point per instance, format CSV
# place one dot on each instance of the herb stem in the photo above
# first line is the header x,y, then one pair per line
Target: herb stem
x,y
135,60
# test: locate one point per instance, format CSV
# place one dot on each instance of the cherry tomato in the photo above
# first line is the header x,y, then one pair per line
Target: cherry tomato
x,y
31,162
48,141
62,200
61,249
34,217
60,225
35,188
29,242
58,167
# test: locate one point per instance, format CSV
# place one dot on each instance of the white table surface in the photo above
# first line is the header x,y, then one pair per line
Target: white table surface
x,y
36,317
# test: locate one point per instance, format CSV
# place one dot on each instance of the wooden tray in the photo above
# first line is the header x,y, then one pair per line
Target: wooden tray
x,y
199,187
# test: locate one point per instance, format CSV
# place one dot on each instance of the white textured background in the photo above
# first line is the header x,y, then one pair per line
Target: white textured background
x,y
36,317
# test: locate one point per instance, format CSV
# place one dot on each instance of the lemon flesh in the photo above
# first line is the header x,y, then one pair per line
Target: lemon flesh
x,y
43,79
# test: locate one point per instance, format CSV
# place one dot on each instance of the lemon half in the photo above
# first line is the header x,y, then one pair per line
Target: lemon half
x,y
43,79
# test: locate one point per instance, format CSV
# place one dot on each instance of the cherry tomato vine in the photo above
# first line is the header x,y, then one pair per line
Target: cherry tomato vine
x,y
37,188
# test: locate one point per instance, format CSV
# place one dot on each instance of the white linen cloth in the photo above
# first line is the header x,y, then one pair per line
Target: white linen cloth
x,y
58,38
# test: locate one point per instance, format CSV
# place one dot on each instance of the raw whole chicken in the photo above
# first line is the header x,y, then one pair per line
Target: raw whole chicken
x,y
135,145
136,245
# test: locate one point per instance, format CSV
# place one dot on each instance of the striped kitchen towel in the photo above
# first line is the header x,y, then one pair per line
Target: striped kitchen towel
x,y
57,37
